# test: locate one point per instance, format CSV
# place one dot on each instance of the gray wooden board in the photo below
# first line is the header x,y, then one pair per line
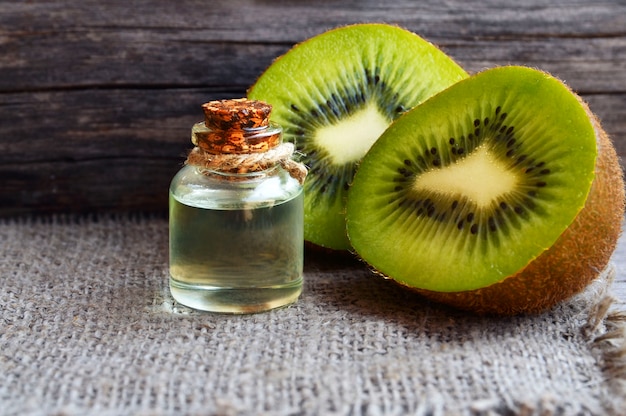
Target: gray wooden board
x,y
97,98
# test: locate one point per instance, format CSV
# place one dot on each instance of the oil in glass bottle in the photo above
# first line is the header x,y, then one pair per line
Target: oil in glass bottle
x,y
236,214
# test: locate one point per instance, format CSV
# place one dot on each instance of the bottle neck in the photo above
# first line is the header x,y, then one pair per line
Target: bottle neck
x,y
233,175
236,141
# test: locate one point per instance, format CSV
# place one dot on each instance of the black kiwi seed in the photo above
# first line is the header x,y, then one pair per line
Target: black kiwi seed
x,y
437,162
498,109
455,204
540,184
407,162
486,121
451,141
503,205
544,171
476,123
333,108
470,217
295,108
474,229
433,151
492,224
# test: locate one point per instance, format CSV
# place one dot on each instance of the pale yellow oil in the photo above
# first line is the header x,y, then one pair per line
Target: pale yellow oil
x,y
244,259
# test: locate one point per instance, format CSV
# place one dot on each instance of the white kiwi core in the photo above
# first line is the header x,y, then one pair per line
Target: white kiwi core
x,y
479,177
351,138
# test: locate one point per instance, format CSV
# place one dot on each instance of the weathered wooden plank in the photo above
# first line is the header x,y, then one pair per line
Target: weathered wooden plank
x,y
588,65
288,21
118,184
84,44
110,149
122,143
114,87
136,123
89,124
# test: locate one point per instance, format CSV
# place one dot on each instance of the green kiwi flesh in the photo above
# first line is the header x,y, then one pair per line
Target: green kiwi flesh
x,y
474,184
335,94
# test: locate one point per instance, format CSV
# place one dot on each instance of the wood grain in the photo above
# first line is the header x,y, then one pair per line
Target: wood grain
x,y
97,98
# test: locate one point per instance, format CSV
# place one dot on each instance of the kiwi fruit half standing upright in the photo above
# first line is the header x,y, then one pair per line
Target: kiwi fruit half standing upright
x,y
500,195
334,94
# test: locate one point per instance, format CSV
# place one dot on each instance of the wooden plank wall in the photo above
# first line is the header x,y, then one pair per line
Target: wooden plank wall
x,y
97,97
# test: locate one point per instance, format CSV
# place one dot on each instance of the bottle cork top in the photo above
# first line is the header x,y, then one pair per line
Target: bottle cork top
x,y
236,126
234,114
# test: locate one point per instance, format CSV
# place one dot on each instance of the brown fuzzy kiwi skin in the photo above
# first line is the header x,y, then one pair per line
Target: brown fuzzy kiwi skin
x,y
572,263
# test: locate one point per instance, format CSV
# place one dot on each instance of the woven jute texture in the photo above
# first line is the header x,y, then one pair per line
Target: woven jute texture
x,y
87,326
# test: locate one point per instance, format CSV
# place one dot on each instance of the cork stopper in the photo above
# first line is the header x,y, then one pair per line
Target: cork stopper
x,y
236,126
236,114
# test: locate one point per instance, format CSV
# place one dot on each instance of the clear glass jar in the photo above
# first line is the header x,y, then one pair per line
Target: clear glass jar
x,y
236,235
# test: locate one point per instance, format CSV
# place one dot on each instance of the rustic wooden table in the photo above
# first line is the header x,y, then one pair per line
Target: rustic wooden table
x,y
97,98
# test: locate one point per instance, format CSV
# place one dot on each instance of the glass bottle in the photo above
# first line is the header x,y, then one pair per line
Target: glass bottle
x,y
236,214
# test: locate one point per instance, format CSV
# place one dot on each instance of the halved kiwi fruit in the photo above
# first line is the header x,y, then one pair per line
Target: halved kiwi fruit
x,y
334,94
501,194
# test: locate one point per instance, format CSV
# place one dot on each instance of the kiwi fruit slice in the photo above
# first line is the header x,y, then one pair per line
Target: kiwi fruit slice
x,y
334,94
500,195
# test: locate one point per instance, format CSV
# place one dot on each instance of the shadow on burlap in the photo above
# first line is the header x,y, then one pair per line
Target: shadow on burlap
x,y
88,327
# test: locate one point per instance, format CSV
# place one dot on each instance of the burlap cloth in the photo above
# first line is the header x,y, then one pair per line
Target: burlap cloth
x,y
88,327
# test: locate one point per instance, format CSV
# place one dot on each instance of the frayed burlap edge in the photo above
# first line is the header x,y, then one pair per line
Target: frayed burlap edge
x,y
606,331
